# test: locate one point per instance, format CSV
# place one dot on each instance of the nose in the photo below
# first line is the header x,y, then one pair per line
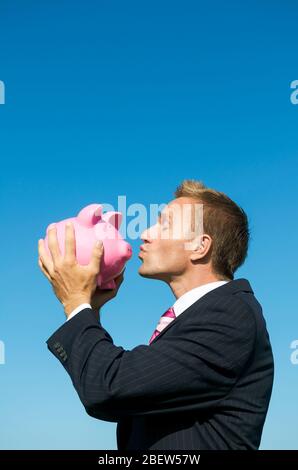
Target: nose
x,y
145,235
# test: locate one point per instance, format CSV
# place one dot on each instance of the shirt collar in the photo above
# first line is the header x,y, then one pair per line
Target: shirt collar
x,y
191,296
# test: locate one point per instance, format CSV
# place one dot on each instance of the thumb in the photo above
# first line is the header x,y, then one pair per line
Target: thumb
x,y
96,256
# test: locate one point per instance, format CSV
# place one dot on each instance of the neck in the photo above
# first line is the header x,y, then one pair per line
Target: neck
x,y
182,284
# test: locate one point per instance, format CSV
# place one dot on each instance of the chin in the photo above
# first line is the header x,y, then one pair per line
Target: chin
x,y
150,274
144,272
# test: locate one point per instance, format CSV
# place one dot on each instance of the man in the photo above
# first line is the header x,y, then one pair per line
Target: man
x,y
204,380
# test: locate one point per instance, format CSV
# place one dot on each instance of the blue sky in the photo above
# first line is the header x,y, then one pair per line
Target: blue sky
x,y
128,98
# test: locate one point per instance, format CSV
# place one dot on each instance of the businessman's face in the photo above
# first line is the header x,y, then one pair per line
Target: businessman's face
x,y
163,253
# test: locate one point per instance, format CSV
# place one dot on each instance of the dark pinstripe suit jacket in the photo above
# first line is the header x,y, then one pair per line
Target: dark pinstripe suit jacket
x,y
204,383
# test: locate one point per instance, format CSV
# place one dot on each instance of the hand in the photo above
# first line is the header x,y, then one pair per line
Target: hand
x,y
101,296
73,284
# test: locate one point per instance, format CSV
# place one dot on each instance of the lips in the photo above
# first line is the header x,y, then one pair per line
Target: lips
x,y
142,251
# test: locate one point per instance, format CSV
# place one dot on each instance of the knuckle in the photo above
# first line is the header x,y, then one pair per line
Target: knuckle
x,y
93,271
68,261
57,267
51,274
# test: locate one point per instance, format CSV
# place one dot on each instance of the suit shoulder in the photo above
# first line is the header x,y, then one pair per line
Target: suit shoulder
x,y
228,315
231,308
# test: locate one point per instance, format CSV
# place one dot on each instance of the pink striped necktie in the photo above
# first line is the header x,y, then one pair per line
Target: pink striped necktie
x,y
164,320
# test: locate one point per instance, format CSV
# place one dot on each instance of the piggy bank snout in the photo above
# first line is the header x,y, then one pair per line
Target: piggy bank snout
x,y
125,251
116,252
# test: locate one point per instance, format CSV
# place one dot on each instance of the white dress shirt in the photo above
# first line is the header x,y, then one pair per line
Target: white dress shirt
x,y
181,304
77,310
191,296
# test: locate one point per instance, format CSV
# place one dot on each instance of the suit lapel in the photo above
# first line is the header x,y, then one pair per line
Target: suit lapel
x,y
230,288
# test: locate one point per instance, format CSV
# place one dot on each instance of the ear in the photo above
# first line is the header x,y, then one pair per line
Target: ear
x,y
113,218
199,246
90,215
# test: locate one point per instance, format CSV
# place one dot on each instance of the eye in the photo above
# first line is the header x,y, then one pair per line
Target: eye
x,y
164,221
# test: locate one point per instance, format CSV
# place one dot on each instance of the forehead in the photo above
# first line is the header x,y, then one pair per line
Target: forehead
x,y
177,205
184,216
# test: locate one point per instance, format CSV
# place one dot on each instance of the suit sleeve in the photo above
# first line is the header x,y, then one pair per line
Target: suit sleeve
x,y
190,368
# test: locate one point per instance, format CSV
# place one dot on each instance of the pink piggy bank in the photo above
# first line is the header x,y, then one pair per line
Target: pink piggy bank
x,y
91,225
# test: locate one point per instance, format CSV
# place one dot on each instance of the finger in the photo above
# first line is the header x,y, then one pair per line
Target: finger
x,y
97,254
119,280
70,242
119,277
46,260
43,265
53,244
43,269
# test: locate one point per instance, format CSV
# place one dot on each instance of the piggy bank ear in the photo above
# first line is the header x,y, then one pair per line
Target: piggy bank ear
x,y
113,218
90,215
